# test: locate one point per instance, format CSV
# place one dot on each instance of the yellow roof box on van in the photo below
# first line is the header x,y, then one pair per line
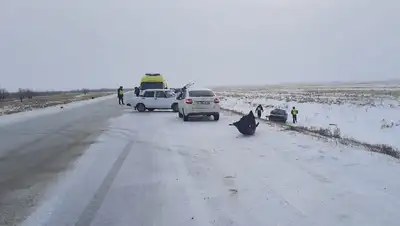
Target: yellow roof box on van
x,y
153,81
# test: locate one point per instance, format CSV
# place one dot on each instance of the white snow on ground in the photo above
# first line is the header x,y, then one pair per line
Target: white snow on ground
x,y
371,124
22,116
205,173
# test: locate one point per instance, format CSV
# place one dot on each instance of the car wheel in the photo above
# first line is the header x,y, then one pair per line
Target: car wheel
x,y
180,115
141,108
216,117
150,109
174,107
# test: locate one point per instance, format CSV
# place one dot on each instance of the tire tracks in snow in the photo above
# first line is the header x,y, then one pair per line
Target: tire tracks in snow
x,y
95,203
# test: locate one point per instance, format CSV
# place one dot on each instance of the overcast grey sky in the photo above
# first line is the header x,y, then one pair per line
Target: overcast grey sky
x,y
66,44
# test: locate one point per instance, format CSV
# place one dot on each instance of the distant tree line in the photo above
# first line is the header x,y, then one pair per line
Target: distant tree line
x,y
30,94
4,94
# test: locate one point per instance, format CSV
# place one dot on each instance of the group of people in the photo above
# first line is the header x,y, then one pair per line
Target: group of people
x,y
120,94
293,112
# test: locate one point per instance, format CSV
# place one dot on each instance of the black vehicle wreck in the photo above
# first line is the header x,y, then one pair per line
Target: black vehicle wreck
x,y
278,115
247,124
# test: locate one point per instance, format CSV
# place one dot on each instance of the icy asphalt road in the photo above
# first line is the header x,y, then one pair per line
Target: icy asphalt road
x,y
33,151
153,169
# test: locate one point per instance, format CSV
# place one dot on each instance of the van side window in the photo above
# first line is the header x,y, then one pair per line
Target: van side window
x,y
148,94
160,94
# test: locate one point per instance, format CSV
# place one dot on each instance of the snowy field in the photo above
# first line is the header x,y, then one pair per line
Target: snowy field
x,y
368,113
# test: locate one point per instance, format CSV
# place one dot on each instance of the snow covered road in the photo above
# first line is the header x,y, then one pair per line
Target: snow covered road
x,y
154,169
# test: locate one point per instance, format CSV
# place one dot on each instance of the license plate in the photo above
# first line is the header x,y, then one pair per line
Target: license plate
x,y
203,102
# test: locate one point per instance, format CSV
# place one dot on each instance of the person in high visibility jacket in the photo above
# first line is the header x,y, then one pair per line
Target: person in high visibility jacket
x,y
294,113
120,94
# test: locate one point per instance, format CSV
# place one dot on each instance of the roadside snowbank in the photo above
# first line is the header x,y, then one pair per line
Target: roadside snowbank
x,y
373,125
22,116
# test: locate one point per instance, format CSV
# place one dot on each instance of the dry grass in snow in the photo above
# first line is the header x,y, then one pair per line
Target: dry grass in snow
x,y
12,106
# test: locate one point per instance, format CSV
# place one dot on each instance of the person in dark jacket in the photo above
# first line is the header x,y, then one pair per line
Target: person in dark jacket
x,y
120,94
137,91
259,110
294,113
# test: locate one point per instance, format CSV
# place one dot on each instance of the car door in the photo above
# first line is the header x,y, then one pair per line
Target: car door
x,y
160,100
171,98
148,99
181,101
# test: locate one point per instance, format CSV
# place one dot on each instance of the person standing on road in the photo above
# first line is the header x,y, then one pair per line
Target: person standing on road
x,y
259,110
294,113
120,93
137,91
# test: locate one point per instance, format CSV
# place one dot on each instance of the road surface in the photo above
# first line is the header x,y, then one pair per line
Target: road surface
x,y
32,152
154,169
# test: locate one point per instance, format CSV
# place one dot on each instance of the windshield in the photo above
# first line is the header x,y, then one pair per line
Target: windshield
x,y
201,93
152,85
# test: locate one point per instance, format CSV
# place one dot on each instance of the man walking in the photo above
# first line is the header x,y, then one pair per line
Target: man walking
x,y
259,110
294,114
120,93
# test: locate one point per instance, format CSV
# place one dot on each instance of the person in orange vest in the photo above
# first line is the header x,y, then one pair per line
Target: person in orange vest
x,y
294,113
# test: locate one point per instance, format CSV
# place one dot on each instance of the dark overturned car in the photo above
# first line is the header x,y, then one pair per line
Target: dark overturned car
x,y
247,125
278,115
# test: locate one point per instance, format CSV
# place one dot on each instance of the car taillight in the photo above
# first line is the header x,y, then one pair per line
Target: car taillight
x,y
216,100
188,101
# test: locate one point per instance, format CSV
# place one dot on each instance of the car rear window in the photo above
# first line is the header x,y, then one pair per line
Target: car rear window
x,y
278,112
201,93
